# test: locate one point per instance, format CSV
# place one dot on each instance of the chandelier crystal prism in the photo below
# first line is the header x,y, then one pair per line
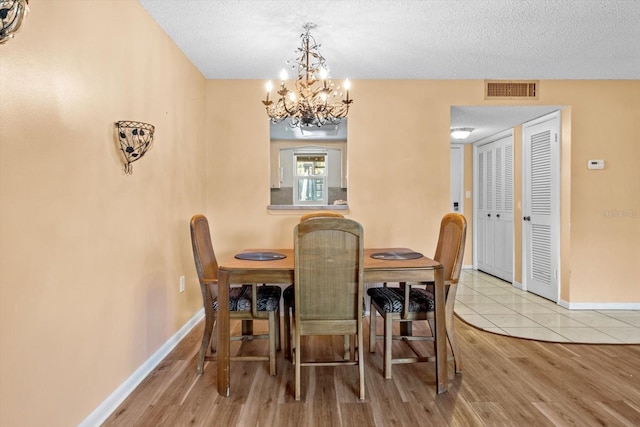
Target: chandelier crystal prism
x,y
314,99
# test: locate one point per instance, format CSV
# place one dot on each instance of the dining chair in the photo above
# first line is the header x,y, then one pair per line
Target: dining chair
x,y
328,289
287,294
246,302
410,302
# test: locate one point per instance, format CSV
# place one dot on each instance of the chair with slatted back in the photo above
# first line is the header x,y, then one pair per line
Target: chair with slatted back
x,y
410,302
287,295
246,302
328,287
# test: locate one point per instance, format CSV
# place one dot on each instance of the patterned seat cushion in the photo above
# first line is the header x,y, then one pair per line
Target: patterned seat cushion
x,y
391,300
240,298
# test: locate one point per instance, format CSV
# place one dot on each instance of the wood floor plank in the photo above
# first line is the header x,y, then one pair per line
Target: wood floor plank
x,y
622,411
506,381
356,414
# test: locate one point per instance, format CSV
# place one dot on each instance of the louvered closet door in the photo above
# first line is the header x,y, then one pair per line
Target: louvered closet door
x,y
503,262
485,203
540,207
495,208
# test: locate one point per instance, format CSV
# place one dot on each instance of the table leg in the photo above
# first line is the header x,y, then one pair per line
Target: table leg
x,y
223,333
442,376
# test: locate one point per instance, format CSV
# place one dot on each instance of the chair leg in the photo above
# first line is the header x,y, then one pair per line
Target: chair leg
x,y
296,352
388,338
278,342
453,342
214,337
372,329
272,342
287,332
360,344
206,338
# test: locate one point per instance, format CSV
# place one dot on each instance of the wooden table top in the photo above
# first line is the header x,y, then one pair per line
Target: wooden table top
x,y
369,263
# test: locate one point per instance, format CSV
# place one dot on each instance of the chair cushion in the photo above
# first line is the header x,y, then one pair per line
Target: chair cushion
x,y
240,298
288,294
391,300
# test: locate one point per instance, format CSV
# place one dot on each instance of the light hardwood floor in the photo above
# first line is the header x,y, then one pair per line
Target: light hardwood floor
x,y
506,381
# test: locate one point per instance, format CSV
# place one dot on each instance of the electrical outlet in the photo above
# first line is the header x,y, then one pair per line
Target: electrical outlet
x,y
181,284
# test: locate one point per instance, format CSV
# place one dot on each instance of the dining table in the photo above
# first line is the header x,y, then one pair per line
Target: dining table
x,y
277,267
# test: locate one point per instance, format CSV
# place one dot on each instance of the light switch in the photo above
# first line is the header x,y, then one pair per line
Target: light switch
x,y
467,195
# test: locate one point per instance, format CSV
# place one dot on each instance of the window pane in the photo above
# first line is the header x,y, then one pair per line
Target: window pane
x,y
310,165
310,189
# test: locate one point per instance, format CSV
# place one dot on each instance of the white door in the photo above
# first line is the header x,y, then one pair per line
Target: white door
x,y
503,220
541,207
494,161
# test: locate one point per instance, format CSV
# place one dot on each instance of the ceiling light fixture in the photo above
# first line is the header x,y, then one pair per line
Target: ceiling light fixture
x,y
314,100
12,13
461,133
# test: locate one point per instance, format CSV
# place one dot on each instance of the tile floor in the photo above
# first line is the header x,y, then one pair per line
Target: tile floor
x,y
495,305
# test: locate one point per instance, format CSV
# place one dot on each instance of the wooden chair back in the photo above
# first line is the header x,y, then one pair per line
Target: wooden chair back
x,y
203,254
320,214
451,242
329,270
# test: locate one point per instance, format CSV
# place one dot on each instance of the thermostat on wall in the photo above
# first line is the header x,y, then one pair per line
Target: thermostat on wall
x,y
595,164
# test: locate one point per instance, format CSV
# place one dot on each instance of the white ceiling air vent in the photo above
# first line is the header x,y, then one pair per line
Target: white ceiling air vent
x,y
511,89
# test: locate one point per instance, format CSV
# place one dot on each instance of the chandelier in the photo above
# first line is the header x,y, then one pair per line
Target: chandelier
x,y
314,100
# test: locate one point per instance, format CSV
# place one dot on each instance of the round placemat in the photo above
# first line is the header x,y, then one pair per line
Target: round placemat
x,y
260,256
397,255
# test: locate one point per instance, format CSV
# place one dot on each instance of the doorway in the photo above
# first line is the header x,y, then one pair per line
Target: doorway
x,y
488,123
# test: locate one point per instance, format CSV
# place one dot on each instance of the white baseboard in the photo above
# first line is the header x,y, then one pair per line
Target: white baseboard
x,y
111,403
600,305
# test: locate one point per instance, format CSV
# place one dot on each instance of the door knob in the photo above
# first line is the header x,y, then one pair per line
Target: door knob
x,y
498,215
527,218
489,215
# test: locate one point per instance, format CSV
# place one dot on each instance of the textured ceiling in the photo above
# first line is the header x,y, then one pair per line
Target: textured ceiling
x,y
414,39
410,39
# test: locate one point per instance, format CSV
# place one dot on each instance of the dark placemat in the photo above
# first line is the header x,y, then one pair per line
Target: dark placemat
x,y
397,255
260,256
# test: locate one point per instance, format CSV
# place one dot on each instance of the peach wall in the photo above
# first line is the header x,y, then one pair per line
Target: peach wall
x,y
398,172
604,212
90,258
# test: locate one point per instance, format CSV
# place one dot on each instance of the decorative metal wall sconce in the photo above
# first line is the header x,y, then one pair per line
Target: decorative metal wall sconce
x,y
135,139
12,13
